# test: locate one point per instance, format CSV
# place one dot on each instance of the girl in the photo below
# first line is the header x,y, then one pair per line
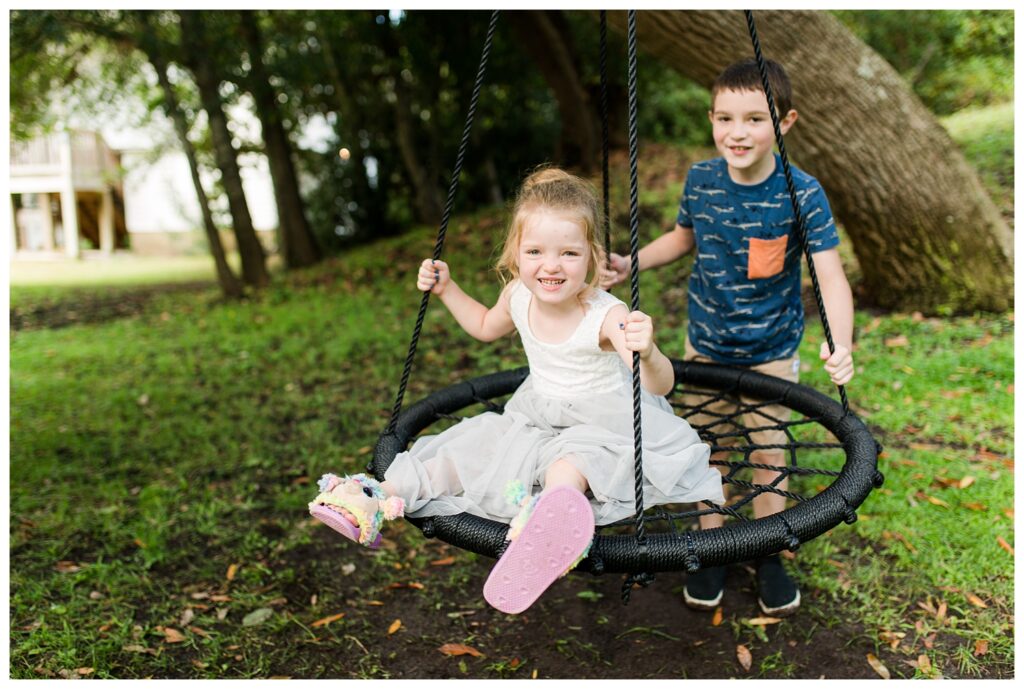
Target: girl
x,y
565,438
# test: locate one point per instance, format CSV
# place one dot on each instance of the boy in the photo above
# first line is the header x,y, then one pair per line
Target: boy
x,y
744,291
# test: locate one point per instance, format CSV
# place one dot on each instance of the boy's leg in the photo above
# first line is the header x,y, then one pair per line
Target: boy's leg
x,y
778,594
704,588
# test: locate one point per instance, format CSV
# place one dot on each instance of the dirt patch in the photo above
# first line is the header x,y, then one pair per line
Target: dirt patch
x,y
89,307
579,629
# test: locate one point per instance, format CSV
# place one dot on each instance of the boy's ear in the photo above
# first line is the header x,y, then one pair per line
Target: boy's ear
x,y
786,122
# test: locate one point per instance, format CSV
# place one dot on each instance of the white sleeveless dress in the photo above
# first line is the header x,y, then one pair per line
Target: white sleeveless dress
x,y
577,404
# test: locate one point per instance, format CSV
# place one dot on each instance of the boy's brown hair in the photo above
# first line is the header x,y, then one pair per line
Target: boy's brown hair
x,y
745,76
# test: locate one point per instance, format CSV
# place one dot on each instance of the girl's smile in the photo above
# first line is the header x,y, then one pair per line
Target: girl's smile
x,y
553,257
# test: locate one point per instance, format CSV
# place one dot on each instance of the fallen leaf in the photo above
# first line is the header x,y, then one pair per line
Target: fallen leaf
x,y
410,585
878,666
364,450
395,626
892,638
965,481
762,621
976,601
928,607
327,620
514,663
258,616
199,664
375,602
923,663
220,598
444,561
744,657
1009,514
898,341
95,595
172,635
936,501
136,648
232,570
929,641
976,506
1004,545
40,670
201,632
460,650
348,568
83,671
980,647
199,595
67,567
717,618
940,616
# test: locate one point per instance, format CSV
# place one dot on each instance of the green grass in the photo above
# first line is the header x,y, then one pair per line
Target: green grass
x,y
985,135
151,453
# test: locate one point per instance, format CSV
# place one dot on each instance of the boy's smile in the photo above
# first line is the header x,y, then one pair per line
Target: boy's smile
x,y
742,129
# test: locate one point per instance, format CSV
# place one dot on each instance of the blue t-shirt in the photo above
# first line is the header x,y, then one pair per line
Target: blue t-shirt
x,y
744,311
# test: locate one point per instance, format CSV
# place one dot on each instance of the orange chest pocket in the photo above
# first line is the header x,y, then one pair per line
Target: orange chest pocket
x,y
766,257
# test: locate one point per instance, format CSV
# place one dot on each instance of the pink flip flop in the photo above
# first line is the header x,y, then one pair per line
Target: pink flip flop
x,y
555,535
341,525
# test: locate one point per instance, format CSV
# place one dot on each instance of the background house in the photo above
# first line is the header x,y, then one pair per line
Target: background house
x,y
72,194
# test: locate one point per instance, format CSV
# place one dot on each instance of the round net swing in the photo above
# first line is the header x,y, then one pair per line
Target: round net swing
x,y
831,456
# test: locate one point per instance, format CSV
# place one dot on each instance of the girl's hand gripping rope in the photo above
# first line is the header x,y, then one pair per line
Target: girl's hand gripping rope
x,y
433,276
639,332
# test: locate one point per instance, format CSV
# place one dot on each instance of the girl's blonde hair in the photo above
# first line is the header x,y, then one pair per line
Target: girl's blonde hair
x,y
553,189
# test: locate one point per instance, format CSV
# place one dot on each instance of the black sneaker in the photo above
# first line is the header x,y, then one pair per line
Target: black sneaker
x,y
703,590
778,593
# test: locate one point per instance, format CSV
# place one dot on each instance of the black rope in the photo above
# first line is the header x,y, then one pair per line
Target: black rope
x,y
443,229
604,137
801,227
642,578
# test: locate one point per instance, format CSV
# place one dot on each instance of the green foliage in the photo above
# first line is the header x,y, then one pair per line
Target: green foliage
x,y
985,135
951,58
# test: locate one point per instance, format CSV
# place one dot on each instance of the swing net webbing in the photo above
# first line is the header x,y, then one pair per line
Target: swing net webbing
x,y
830,464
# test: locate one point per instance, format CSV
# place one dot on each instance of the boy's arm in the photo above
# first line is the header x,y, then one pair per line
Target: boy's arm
x,y
838,300
667,248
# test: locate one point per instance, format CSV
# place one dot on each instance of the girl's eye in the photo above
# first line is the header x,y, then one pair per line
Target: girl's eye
x,y
532,252
367,492
571,253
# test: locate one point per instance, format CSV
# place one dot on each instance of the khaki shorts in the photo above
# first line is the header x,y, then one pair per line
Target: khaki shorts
x,y
721,414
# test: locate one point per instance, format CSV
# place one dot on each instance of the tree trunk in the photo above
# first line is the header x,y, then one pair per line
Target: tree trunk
x,y
297,246
926,234
427,199
229,284
547,40
197,55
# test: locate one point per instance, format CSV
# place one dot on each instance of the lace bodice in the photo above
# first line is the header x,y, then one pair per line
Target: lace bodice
x,y
578,366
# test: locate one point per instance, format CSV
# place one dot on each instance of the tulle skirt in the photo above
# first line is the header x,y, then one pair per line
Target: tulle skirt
x,y
468,467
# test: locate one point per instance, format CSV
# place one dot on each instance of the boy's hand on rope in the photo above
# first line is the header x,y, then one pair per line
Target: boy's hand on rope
x,y
610,277
639,332
433,276
838,364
